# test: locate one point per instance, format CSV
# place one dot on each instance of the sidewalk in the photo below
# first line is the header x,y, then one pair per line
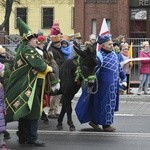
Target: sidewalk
x,y
126,97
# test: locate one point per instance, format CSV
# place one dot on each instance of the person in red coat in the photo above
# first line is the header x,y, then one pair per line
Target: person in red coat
x,y
55,29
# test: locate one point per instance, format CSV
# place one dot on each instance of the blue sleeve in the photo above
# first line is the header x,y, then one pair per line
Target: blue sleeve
x,y
122,74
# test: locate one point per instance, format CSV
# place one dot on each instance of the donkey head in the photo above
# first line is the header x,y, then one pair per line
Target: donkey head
x,y
87,63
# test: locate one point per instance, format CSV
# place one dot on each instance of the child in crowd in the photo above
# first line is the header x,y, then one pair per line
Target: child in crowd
x,y
66,48
55,29
2,109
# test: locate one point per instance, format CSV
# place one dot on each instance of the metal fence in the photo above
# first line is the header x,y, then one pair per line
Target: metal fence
x,y
136,48
10,42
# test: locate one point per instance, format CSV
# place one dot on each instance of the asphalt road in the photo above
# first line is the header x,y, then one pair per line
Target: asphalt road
x,y
132,123
133,133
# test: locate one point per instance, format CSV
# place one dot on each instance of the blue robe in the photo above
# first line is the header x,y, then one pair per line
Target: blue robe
x,y
100,107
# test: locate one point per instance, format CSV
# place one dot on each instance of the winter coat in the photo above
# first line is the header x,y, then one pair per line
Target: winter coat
x,y
144,64
2,107
66,50
24,89
57,54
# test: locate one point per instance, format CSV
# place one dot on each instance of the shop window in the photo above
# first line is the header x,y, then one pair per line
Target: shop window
x,y
138,23
47,17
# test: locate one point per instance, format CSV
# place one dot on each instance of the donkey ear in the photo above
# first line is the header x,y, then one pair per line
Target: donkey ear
x,y
79,51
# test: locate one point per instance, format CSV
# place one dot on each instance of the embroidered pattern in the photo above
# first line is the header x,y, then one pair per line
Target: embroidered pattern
x,y
19,62
28,93
34,71
16,104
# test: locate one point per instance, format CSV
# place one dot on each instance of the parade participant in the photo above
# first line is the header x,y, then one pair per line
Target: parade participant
x,y
104,101
2,109
124,47
24,92
144,68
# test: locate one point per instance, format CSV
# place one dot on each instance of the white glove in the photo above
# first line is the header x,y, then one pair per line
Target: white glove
x,y
55,88
124,84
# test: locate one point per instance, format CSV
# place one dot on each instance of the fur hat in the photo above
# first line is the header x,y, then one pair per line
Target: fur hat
x,y
104,38
25,32
2,66
41,39
2,50
77,35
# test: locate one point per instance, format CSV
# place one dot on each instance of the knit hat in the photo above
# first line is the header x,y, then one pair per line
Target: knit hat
x,y
145,43
2,50
2,66
40,32
56,22
104,38
41,39
25,31
92,37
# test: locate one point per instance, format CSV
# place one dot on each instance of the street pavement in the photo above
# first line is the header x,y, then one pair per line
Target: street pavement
x,y
132,123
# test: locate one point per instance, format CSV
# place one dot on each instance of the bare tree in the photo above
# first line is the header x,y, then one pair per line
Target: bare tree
x,y
7,4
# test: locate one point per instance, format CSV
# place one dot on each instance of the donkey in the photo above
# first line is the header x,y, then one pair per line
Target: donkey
x,y
71,74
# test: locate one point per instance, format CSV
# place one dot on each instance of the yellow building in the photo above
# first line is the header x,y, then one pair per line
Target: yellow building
x,y
39,15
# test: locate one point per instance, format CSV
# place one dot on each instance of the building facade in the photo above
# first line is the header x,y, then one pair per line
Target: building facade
x,y
39,15
124,17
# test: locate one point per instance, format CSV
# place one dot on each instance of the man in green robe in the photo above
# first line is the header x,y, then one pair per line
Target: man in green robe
x,y
24,92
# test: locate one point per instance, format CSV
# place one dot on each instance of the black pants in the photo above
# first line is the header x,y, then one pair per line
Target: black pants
x,y
128,83
27,130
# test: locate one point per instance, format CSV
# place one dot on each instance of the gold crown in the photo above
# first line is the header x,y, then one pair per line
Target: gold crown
x,y
56,38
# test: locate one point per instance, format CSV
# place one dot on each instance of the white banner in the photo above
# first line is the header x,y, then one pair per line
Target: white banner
x,y
133,59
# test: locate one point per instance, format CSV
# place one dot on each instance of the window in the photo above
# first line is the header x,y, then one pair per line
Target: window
x,y
108,21
94,26
47,17
22,13
72,17
101,1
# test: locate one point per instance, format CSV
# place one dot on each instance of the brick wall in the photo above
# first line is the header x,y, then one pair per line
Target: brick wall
x,y
118,13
